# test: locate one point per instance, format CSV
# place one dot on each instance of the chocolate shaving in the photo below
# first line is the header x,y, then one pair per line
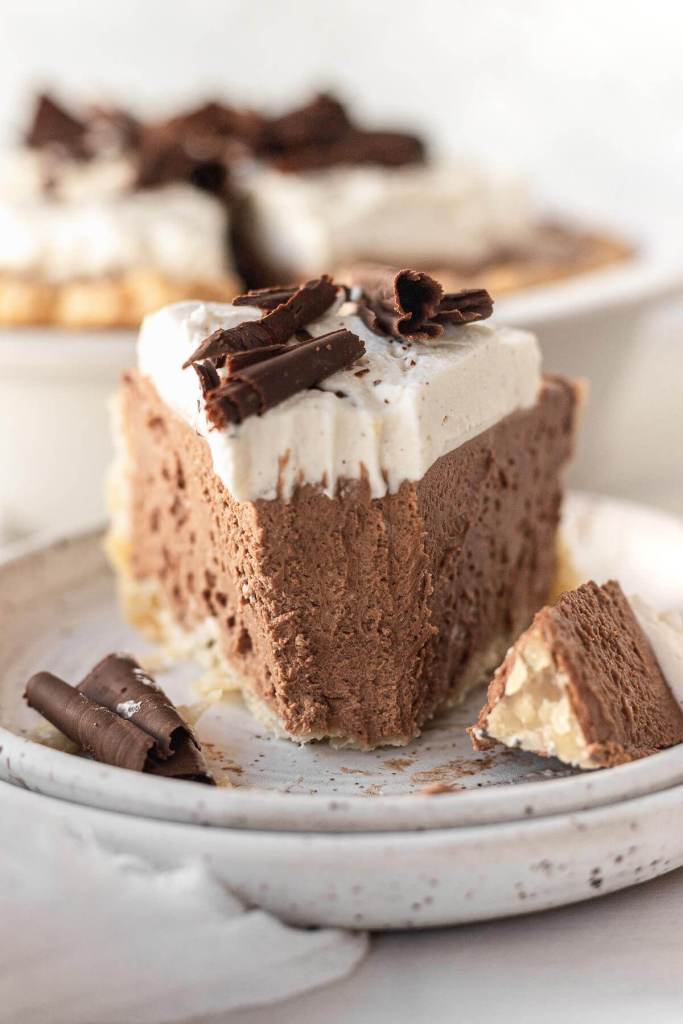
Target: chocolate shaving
x,y
308,303
201,145
119,683
236,361
53,125
389,149
211,118
164,157
464,307
257,388
409,304
208,376
266,298
323,119
99,732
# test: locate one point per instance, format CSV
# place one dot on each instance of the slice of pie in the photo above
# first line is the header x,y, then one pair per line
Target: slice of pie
x,y
346,504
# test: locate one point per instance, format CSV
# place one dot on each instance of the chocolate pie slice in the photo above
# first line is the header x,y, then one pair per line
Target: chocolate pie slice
x,y
345,502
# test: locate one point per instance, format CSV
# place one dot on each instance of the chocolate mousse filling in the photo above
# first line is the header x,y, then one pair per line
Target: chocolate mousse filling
x,y
349,617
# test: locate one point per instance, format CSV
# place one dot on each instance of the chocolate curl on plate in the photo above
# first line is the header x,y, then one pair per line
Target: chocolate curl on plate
x,y
186,763
119,683
255,389
98,731
308,303
411,305
53,125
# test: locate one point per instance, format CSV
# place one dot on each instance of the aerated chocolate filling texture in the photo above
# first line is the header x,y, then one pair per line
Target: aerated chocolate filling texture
x,y
120,716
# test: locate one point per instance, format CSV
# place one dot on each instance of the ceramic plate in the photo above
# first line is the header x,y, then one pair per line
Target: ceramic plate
x,y
58,611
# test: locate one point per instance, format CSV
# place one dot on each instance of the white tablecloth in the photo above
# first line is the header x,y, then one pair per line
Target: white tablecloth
x,y
89,937
615,960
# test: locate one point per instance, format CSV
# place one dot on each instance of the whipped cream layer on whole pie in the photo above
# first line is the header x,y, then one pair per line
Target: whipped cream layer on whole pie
x,y
81,244
418,215
359,549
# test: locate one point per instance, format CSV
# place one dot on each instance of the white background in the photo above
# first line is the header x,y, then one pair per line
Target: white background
x,y
585,96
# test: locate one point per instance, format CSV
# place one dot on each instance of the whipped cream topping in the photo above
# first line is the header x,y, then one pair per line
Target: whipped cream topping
x,y
176,230
664,630
24,174
412,216
416,402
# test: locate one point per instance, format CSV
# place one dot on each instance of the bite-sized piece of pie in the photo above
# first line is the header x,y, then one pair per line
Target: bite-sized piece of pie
x,y
596,680
86,242
348,508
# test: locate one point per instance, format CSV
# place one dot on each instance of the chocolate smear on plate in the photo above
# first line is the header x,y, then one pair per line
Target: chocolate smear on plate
x,y
410,305
306,304
255,389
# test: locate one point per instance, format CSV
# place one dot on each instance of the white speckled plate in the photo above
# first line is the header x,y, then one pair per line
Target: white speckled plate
x,y
58,611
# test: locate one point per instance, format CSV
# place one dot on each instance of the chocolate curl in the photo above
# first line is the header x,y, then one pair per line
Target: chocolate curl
x,y
411,305
187,762
164,157
464,307
266,298
308,303
119,683
208,376
323,119
53,125
388,149
98,731
257,388
400,304
211,118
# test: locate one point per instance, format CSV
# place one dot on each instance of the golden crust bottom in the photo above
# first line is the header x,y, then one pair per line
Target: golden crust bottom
x,y
561,254
120,301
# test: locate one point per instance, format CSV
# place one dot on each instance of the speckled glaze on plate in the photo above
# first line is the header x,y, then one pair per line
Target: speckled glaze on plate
x,y
329,837
58,611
